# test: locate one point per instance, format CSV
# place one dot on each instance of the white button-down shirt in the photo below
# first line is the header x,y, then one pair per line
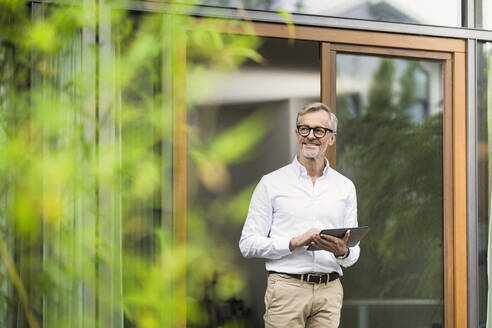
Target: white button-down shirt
x,y
286,204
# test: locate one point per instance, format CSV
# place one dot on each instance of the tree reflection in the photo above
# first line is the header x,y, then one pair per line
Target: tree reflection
x,y
397,166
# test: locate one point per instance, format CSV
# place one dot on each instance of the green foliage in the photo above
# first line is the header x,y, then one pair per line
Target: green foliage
x,y
86,164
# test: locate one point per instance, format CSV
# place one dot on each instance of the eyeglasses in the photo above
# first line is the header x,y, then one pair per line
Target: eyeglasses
x,y
319,131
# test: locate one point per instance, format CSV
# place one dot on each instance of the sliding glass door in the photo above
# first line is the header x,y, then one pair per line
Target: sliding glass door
x,y
390,143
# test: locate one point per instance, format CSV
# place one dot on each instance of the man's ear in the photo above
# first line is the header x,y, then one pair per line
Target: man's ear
x,y
332,140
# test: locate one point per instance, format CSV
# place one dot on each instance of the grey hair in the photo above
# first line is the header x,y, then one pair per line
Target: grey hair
x,y
316,107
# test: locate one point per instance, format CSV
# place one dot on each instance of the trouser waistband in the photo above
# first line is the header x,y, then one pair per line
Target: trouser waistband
x,y
315,278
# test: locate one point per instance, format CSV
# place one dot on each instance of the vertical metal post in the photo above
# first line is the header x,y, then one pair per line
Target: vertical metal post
x,y
472,224
363,316
468,13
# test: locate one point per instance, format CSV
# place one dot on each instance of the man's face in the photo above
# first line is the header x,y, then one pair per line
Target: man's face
x,y
310,146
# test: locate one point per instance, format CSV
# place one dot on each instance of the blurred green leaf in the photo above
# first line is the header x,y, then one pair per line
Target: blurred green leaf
x,y
287,17
42,36
237,208
234,145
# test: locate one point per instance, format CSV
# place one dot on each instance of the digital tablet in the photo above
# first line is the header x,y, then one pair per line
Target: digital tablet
x,y
356,234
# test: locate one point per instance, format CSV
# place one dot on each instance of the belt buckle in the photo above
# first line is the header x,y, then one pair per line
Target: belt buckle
x,y
309,275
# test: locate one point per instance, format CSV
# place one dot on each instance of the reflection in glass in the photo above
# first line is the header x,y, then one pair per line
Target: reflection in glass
x,y
412,12
484,143
390,144
240,128
483,14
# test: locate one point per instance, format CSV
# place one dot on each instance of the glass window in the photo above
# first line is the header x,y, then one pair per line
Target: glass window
x,y
484,114
237,133
483,14
412,12
390,141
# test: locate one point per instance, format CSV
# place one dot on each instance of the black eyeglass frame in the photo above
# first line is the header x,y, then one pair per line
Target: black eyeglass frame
x,y
313,129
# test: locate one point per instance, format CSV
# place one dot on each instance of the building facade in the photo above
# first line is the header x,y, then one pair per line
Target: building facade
x,y
213,109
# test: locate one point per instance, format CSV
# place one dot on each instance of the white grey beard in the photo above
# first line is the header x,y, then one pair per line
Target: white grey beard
x,y
310,154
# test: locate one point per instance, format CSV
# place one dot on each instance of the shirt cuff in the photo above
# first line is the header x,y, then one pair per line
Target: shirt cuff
x,y
344,262
282,246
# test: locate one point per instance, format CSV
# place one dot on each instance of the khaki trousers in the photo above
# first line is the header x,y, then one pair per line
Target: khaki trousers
x,y
291,302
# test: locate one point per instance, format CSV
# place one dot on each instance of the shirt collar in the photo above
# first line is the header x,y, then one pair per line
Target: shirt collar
x,y
301,170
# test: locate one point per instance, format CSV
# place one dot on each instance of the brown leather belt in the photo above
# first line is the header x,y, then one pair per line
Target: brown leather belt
x,y
315,278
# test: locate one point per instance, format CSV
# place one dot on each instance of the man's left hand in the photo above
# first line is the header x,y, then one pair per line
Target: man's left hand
x,y
338,246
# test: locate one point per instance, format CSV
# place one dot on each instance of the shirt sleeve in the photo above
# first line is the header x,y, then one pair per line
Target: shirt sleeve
x,y
255,240
351,221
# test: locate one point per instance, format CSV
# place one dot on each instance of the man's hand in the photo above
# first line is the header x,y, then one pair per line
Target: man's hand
x,y
338,246
304,239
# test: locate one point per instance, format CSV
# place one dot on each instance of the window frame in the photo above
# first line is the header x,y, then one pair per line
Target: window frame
x,y
452,52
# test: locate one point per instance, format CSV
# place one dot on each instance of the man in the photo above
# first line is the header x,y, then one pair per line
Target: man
x,y
288,209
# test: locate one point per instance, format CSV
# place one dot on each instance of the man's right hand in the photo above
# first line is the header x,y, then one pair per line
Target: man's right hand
x,y
304,239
